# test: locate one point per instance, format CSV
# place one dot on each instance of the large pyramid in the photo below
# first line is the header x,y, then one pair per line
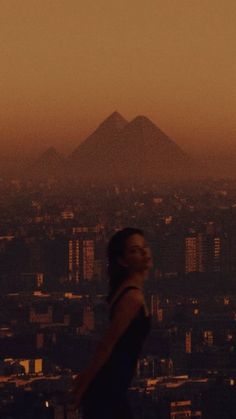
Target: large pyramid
x,y
97,154
134,151
148,152
101,141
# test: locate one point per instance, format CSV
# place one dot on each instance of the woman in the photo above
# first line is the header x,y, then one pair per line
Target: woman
x,y
102,388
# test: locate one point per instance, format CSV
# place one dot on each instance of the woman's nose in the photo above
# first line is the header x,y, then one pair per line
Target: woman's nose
x,y
147,251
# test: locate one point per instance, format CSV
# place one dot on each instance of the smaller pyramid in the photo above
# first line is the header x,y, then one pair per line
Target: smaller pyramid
x,y
49,159
49,163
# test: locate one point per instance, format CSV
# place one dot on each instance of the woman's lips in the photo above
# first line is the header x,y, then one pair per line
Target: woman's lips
x,y
148,260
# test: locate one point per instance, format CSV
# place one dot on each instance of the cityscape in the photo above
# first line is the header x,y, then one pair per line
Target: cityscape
x,y
54,285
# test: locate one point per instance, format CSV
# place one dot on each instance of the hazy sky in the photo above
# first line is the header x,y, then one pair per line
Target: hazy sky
x,y
67,64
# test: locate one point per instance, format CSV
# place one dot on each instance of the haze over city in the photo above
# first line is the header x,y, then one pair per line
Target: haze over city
x,y
66,66
114,115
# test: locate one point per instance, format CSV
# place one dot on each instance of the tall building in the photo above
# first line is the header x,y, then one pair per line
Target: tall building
x,y
232,250
88,259
203,253
188,342
193,254
155,309
170,251
73,259
81,257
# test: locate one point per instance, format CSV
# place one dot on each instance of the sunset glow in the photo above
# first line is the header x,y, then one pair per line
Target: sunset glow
x,y
65,66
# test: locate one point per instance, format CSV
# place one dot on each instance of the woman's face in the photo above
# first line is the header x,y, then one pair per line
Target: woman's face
x,y
137,254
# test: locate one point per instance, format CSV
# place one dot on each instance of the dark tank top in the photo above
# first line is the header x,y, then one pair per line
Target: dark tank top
x,y
115,376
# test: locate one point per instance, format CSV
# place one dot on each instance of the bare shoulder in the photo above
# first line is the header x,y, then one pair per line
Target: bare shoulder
x,y
124,312
133,294
129,303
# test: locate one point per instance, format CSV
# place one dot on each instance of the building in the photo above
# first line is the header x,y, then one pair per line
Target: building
x,y
203,253
81,258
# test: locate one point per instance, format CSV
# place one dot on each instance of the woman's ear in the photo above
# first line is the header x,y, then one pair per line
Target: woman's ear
x,y
122,262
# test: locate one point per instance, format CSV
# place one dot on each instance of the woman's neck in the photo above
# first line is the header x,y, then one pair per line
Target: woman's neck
x,y
136,278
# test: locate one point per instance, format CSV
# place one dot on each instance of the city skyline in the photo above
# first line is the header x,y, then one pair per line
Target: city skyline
x,y
54,285
66,67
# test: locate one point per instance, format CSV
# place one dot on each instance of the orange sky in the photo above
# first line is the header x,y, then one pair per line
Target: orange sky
x,y
67,64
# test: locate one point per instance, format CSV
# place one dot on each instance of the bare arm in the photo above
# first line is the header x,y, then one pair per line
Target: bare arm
x,y
125,312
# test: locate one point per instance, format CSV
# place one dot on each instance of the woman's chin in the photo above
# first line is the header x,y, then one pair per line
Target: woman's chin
x,y
146,269
148,265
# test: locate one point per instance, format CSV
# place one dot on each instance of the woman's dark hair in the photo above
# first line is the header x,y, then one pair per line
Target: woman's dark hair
x,y
116,246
